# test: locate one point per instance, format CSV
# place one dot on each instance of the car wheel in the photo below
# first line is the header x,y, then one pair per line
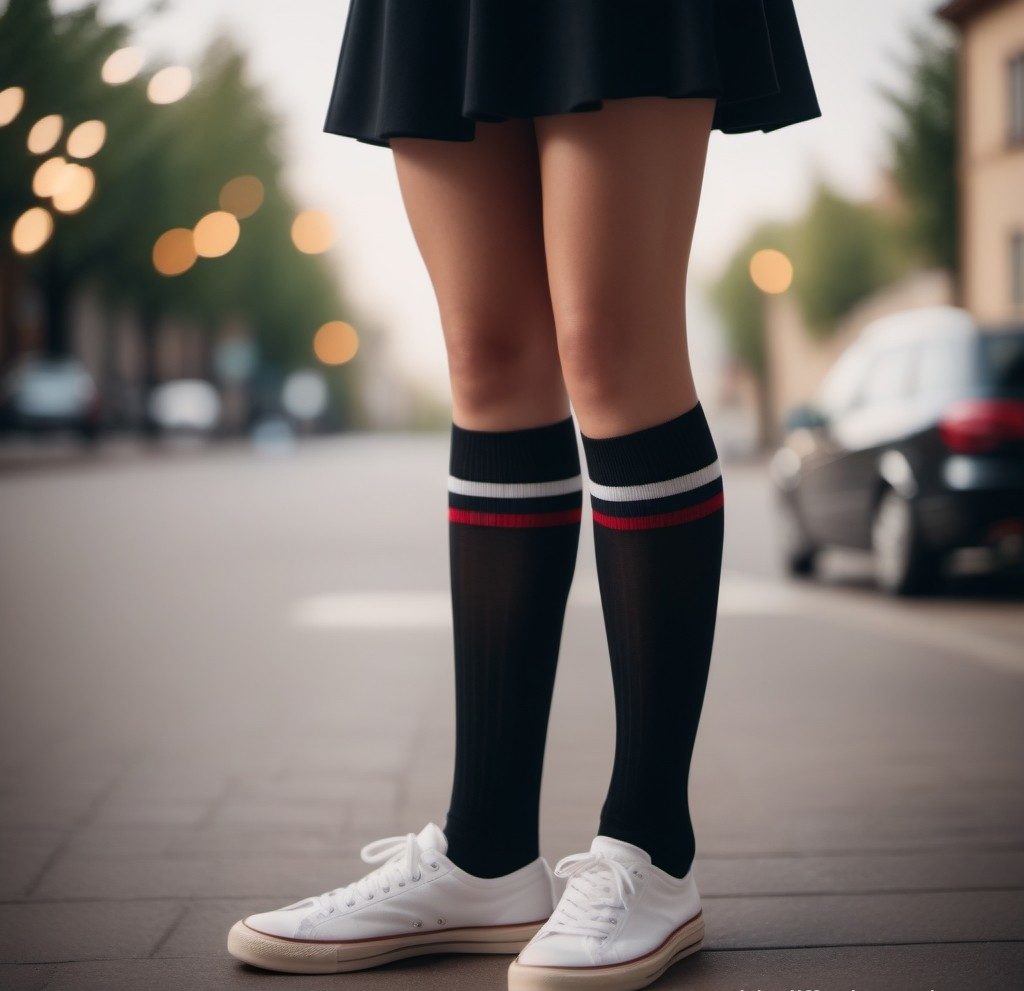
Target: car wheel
x,y
902,565
799,554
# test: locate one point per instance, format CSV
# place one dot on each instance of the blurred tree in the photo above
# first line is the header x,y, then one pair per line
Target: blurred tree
x,y
739,301
56,60
842,252
161,167
924,147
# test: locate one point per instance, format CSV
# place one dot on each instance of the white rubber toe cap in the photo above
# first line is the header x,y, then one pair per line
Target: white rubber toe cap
x,y
556,950
283,922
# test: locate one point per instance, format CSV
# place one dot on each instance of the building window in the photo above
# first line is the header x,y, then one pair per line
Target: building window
x,y
1017,99
1017,269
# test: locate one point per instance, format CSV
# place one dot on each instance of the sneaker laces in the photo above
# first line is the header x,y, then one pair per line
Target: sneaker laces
x,y
596,884
400,859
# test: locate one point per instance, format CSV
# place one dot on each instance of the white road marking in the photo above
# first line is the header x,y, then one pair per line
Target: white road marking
x,y
373,610
741,596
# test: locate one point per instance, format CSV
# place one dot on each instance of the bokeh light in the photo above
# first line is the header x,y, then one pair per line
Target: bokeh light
x,y
47,176
12,100
174,251
87,139
335,343
771,271
313,232
122,65
31,230
169,85
74,188
45,134
242,196
305,395
216,234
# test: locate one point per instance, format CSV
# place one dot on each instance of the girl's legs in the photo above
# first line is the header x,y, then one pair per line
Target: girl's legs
x,y
620,191
514,487
475,213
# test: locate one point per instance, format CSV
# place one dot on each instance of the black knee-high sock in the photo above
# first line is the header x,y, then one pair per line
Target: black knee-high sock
x,y
657,505
514,520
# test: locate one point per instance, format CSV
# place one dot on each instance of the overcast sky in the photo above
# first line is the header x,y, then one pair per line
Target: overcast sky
x,y
853,49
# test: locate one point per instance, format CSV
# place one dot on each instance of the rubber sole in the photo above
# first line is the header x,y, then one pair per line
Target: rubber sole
x,y
629,976
301,956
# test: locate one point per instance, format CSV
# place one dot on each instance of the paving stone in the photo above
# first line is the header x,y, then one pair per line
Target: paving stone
x,y
955,967
123,841
44,933
959,870
23,854
246,841
264,875
203,928
441,973
26,977
827,920
157,811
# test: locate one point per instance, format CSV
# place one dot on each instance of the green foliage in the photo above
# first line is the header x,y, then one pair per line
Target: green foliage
x,y
843,252
739,301
924,148
161,167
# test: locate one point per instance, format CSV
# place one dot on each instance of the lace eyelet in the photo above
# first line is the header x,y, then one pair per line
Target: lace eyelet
x,y
349,904
401,884
369,898
385,890
440,922
417,877
433,867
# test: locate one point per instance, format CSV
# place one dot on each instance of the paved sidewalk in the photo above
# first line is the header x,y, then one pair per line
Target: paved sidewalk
x,y
209,707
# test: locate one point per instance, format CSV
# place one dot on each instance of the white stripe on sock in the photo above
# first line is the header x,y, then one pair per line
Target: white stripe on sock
x,y
658,490
514,490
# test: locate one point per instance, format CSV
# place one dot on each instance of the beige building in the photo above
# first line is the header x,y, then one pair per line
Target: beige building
x,y
991,155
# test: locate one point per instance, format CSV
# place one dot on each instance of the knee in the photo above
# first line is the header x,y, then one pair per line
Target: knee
x,y
494,361
596,356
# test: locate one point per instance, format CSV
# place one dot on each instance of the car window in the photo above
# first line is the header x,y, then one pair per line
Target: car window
x,y
889,377
1003,361
942,369
842,384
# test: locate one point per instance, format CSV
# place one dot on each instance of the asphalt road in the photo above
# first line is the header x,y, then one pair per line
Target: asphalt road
x,y
224,672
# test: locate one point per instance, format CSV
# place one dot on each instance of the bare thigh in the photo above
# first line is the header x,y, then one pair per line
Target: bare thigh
x,y
621,187
475,211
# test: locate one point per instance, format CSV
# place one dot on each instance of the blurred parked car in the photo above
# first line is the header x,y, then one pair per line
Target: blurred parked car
x,y
49,394
915,449
185,407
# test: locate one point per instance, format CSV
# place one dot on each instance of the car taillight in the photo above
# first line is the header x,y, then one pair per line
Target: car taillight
x,y
977,426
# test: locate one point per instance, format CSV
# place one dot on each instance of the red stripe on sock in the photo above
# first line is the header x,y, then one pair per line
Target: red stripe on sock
x,y
685,515
476,518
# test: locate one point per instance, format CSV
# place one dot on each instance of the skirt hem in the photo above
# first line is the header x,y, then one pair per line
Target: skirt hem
x,y
382,139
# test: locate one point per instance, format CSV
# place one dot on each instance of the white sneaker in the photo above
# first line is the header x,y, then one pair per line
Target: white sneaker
x,y
620,924
416,902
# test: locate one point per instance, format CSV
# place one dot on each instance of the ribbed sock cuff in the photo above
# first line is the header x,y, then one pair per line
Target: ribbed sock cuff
x,y
675,447
659,476
515,478
533,454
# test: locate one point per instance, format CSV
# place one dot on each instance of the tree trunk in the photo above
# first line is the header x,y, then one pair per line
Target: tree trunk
x,y
148,326
57,342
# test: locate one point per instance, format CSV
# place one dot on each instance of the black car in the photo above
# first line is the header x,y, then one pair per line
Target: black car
x,y
914,450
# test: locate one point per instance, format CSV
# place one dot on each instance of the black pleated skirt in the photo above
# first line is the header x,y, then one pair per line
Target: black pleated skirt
x,y
432,68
